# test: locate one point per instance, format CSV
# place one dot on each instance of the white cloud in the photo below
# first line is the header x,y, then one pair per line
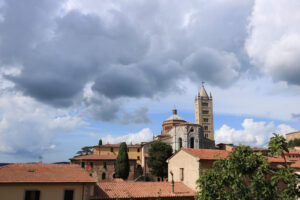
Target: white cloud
x,y
253,133
145,135
28,129
273,43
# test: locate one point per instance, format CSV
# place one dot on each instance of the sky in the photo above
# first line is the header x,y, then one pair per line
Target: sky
x,y
75,71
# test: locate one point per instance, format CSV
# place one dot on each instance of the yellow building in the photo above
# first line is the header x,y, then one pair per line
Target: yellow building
x,y
292,136
187,164
134,151
45,182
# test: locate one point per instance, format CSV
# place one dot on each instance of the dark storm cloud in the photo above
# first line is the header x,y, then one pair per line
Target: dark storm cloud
x,y
139,116
131,52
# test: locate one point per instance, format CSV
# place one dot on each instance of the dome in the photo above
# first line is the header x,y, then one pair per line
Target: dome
x,y
174,116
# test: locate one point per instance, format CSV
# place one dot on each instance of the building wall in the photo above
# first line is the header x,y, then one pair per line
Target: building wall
x,y
186,132
200,108
292,136
190,166
47,191
135,152
99,169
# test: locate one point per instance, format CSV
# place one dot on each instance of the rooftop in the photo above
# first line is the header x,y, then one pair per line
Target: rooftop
x,y
118,145
112,190
97,157
296,132
43,173
207,154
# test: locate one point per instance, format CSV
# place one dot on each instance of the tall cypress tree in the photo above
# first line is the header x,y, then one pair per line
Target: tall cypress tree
x,y
122,162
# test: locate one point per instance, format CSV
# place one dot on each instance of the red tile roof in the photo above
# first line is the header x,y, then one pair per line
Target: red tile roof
x,y
296,132
207,154
278,160
97,157
296,164
43,173
113,190
118,145
94,157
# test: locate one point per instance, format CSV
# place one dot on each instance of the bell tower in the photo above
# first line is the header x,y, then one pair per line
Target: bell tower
x,y
204,113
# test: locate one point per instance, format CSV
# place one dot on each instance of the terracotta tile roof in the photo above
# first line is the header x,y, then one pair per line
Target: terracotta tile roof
x,y
94,157
112,190
207,154
43,173
118,145
296,132
278,160
296,164
97,157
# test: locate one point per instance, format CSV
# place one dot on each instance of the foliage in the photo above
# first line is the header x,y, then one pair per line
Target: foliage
x,y
294,143
246,175
122,162
85,151
159,152
100,142
278,146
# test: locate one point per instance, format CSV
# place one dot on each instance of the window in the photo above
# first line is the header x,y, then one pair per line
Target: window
x,y
92,165
69,194
181,174
103,176
204,104
192,129
206,135
82,164
205,119
206,128
127,149
138,150
138,158
111,149
180,143
32,195
104,165
192,143
204,111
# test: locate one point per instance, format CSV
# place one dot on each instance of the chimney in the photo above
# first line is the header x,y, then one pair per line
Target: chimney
x,y
172,181
174,111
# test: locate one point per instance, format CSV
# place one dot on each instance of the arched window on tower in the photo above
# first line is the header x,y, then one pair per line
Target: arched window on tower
x,y
192,143
103,176
180,143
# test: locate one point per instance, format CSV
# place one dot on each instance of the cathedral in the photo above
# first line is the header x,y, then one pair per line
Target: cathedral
x,y
199,135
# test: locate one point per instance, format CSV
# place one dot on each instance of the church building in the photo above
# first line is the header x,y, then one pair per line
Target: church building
x,y
198,135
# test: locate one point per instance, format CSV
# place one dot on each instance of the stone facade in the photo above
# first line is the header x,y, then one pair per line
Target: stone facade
x,y
102,169
204,113
292,136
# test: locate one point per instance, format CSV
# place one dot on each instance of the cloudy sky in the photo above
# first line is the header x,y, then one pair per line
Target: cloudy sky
x,y
75,71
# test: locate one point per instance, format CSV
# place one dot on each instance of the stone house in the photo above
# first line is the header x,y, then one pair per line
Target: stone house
x,y
187,164
102,167
292,136
45,182
134,151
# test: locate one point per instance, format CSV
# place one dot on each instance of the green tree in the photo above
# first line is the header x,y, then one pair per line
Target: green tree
x,y
278,146
159,152
85,151
294,143
122,162
246,175
100,142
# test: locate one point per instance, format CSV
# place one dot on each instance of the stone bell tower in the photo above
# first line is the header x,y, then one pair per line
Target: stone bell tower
x,y
204,113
